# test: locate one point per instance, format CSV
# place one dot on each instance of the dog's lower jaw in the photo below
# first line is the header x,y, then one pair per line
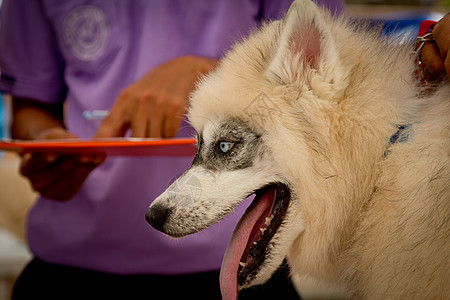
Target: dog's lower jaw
x,y
264,272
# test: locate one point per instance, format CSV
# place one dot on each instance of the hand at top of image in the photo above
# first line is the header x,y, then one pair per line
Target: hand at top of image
x,y
154,106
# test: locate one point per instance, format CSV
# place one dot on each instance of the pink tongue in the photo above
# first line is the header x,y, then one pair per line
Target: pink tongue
x,y
236,246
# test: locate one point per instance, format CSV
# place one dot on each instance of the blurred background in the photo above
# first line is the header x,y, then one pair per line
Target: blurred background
x,y
400,17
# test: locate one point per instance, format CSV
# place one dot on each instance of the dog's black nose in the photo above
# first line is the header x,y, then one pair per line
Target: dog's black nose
x,y
156,216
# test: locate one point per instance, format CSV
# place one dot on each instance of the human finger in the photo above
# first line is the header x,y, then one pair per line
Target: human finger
x,y
113,125
117,122
140,123
65,186
157,113
174,118
171,126
34,163
63,174
433,63
441,35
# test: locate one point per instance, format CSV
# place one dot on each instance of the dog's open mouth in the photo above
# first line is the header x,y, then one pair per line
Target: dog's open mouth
x,y
248,245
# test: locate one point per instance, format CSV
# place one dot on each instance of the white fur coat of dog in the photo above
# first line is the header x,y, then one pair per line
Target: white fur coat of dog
x,y
305,107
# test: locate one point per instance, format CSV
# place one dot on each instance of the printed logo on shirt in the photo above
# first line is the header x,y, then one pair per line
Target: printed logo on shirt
x,y
85,32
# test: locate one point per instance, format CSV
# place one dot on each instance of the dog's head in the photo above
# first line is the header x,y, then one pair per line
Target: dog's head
x,y
258,121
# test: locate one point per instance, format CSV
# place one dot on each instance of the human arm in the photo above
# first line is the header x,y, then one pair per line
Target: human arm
x,y
152,106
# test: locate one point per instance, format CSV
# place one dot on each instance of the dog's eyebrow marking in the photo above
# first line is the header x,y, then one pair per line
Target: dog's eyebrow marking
x,y
198,156
242,155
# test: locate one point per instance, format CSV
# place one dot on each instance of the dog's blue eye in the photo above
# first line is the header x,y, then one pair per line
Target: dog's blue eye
x,y
225,146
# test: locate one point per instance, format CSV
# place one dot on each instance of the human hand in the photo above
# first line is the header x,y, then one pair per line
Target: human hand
x,y
54,176
435,56
155,105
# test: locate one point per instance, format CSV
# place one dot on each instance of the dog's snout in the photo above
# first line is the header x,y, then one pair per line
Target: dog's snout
x,y
156,216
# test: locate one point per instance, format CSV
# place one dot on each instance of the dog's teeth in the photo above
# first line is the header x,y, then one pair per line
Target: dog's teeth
x,y
262,230
254,243
269,220
242,264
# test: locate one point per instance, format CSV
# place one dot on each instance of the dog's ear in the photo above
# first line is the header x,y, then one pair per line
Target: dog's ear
x,y
306,44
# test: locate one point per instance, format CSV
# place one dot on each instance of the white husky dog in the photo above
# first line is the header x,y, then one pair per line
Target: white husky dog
x,y
305,114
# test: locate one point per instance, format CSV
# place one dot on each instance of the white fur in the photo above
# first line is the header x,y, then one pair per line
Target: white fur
x,y
377,225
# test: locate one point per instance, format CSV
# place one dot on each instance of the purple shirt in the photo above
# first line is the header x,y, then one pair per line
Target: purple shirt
x,y
55,50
